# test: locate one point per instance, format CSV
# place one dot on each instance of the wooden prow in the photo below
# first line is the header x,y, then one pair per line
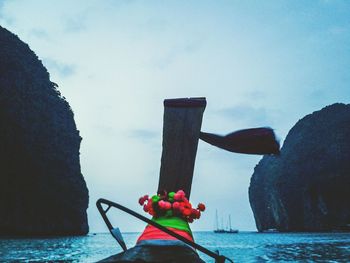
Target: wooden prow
x,y
181,128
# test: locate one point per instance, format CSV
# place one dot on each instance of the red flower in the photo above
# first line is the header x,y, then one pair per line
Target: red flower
x,y
179,196
201,207
161,204
181,208
186,212
193,213
142,200
176,205
167,205
172,204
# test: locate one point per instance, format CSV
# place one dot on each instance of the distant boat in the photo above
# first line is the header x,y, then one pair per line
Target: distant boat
x,y
222,230
271,230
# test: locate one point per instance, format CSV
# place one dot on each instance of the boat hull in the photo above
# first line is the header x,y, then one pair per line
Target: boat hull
x,y
157,251
221,231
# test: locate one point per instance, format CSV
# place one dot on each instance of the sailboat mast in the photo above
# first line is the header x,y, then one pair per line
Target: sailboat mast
x,y
216,219
229,220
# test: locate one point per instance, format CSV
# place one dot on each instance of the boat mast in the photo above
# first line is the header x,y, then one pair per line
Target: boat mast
x,y
229,220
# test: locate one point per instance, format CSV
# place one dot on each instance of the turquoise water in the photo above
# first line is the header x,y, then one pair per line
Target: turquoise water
x,y
242,247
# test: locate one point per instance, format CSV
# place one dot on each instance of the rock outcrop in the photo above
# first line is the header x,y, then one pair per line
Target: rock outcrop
x,y
42,190
306,188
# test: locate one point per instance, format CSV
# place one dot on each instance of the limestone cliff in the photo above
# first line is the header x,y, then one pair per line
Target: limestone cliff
x,y
42,190
306,188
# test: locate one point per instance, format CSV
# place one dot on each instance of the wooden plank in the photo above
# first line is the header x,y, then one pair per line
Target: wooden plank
x,y
181,128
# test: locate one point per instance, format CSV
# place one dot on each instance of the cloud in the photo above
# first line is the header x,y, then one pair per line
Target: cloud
x,y
247,114
39,33
143,134
63,70
257,95
3,16
75,24
169,55
105,130
317,95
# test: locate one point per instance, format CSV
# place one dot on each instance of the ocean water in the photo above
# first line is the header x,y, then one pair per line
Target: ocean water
x,y
242,247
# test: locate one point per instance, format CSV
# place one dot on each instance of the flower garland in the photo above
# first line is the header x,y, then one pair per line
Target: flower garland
x,y
171,204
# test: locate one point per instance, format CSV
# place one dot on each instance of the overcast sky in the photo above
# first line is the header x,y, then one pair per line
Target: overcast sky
x,y
258,63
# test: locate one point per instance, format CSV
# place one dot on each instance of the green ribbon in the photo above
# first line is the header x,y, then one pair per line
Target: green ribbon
x,y
173,222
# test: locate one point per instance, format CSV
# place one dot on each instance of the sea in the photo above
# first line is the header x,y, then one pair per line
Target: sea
x,y
241,247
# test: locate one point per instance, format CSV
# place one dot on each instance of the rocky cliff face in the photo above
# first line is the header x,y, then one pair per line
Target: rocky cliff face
x,y
42,191
306,188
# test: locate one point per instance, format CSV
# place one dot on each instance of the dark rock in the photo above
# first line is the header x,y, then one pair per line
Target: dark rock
x,y
42,190
306,188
